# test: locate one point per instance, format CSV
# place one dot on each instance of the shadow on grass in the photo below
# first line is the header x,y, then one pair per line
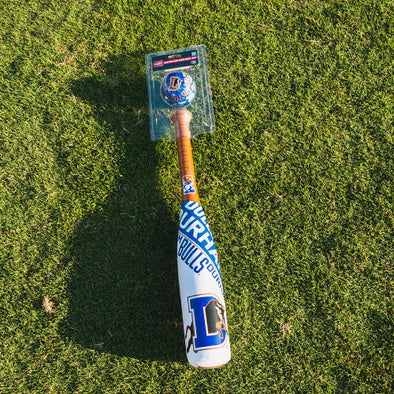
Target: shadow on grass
x,y
123,292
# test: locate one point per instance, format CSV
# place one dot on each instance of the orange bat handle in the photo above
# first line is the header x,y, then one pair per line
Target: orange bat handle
x,y
181,119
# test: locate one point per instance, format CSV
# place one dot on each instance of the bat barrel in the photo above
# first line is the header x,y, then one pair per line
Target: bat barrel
x,y
181,119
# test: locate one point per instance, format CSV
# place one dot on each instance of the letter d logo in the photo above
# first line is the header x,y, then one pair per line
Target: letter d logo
x,y
209,320
175,83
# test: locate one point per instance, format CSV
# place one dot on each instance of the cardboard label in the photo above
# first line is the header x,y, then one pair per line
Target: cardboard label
x,y
178,60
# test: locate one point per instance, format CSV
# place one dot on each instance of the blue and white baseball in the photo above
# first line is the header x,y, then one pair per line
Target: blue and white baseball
x,y
178,89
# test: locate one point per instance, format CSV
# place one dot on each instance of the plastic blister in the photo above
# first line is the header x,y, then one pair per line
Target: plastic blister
x,y
190,60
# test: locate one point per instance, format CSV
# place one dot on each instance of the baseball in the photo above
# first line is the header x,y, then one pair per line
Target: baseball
x,y
178,89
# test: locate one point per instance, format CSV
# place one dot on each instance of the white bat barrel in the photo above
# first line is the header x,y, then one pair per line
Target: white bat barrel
x,y
201,290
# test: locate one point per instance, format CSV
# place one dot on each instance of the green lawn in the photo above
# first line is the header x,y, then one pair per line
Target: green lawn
x,y
297,185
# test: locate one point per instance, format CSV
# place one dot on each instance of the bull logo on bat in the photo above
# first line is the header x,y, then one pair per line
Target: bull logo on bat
x,y
208,329
188,184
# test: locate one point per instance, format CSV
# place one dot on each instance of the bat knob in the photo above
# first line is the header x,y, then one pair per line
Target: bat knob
x,y
181,119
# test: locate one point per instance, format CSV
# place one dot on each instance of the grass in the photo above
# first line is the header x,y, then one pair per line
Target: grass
x,y
296,182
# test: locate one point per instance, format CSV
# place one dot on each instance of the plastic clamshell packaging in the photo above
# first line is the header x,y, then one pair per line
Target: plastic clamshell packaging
x,y
193,61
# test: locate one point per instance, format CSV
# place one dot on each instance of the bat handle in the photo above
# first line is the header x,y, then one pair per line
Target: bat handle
x,y
181,119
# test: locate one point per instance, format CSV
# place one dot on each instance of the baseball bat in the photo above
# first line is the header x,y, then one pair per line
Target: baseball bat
x,y
200,282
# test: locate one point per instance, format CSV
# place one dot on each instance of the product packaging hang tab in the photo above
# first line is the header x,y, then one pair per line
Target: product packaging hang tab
x,y
179,79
